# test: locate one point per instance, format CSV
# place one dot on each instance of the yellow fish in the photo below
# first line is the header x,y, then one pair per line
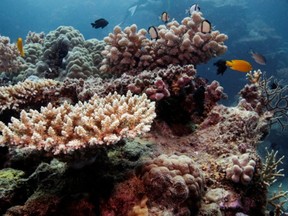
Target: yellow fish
x,y
238,65
20,46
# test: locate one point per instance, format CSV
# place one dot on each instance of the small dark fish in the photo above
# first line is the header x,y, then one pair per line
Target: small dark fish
x,y
273,85
153,31
205,27
165,17
100,23
260,59
221,66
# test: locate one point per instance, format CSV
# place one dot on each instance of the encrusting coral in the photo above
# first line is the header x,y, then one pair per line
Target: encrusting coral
x,y
67,128
178,44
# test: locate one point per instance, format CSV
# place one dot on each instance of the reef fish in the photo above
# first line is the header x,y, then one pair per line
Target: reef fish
x,y
238,65
194,7
153,31
20,47
205,26
100,23
165,17
260,59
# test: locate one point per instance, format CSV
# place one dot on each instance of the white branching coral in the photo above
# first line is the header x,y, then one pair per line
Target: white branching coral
x,y
67,128
13,96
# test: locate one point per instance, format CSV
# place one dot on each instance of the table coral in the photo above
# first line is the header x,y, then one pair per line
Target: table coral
x,y
178,44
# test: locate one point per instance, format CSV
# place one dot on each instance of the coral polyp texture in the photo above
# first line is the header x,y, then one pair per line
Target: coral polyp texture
x,y
67,128
8,56
33,37
178,44
173,182
59,54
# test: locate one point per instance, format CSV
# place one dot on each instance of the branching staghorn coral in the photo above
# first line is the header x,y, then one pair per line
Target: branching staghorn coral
x,y
68,128
270,170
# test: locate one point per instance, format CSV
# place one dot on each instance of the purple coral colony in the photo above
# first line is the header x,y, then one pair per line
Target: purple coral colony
x,y
124,126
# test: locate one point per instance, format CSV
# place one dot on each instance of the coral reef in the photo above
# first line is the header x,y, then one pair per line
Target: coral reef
x,y
178,44
66,48
178,151
25,94
80,64
57,55
68,128
33,37
8,56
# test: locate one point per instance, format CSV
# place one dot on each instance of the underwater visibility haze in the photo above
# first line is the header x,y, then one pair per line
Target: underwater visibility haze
x,y
143,107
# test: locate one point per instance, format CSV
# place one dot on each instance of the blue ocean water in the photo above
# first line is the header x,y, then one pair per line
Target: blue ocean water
x,y
260,25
